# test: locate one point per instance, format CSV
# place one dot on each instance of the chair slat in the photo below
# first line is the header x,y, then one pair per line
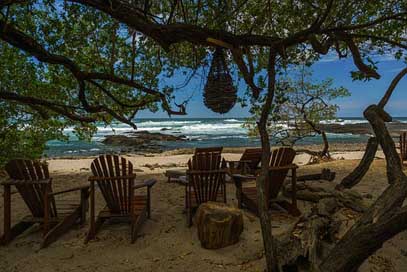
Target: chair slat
x,y
32,194
116,192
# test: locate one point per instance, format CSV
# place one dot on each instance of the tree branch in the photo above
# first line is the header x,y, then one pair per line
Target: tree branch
x,y
57,108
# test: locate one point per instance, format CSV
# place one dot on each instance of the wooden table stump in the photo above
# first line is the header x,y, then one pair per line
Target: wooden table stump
x,y
218,225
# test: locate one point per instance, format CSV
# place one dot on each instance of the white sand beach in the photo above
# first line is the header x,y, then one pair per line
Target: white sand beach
x,y
165,243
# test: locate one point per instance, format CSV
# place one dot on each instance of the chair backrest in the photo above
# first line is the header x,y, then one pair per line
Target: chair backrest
x,y
116,192
33,194
253,155
206,176
203,150
403,145
282,156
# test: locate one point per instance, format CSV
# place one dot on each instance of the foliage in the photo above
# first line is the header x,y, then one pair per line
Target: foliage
x,y
301,105
24,129
97,60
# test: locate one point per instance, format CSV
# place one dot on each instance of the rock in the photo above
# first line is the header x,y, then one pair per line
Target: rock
x,y
122,140
156,136
218,225
141,140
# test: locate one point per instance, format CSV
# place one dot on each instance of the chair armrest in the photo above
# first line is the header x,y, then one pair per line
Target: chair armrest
x,y
96,178
238,179
197,172
285,167
236,163
244,177
146,183
183,180
19,181
80,188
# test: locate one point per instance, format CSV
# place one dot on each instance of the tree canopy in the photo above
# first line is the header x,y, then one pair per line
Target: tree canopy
x,y
100,60
103,60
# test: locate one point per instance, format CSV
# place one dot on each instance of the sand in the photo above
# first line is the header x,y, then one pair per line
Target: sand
x,y
165,243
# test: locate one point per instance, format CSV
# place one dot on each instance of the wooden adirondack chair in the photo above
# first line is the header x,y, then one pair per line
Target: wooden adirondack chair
x,y
280,163
116,180
403,147
175,175
248,163
32,180
205,182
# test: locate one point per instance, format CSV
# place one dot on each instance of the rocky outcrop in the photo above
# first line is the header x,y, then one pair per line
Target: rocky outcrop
x,y
143,141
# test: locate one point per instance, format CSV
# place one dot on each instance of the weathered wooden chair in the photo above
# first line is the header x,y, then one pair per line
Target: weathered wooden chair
x,y
205,182
116,180
281,162
403,147
176,175
248,162
32,180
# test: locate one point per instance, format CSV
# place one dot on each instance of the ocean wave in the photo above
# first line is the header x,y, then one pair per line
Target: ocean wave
x,y
233,121
209,129
165,123
344,121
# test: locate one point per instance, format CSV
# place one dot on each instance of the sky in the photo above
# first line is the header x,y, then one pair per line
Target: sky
x,y
363,93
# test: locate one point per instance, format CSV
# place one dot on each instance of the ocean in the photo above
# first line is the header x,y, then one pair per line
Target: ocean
x,y
200,132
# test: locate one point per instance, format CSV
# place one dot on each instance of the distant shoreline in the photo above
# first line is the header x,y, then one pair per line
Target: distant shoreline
x,y
349,134
334,147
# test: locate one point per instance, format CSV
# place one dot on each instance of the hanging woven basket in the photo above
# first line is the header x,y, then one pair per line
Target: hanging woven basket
x,y
219,93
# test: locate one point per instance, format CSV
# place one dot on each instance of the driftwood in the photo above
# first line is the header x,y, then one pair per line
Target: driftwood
x,y
346,198
307,242
218,225
326,174
360,171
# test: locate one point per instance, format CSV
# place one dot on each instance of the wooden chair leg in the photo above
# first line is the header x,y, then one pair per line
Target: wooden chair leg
x,y
148,203
136,224
239,199
92,234
92,228
84,205
46,210
189,217
7,215
62,227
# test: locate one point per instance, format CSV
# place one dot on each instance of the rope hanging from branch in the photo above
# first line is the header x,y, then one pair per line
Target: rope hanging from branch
x,y
219,93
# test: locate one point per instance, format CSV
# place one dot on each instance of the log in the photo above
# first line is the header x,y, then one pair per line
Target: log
x,y
218,225
345,198
326,174
304,245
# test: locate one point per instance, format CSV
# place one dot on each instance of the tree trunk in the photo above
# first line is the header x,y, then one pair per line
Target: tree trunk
x,y
359,172
265,220
385,218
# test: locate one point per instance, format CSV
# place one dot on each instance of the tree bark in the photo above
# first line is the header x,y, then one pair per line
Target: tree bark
x,y
265,220
385,218
360,171
218,225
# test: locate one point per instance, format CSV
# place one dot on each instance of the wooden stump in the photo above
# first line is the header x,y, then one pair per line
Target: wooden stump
x,y
218,225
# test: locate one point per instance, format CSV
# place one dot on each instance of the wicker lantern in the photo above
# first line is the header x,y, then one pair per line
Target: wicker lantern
x,y
219,93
